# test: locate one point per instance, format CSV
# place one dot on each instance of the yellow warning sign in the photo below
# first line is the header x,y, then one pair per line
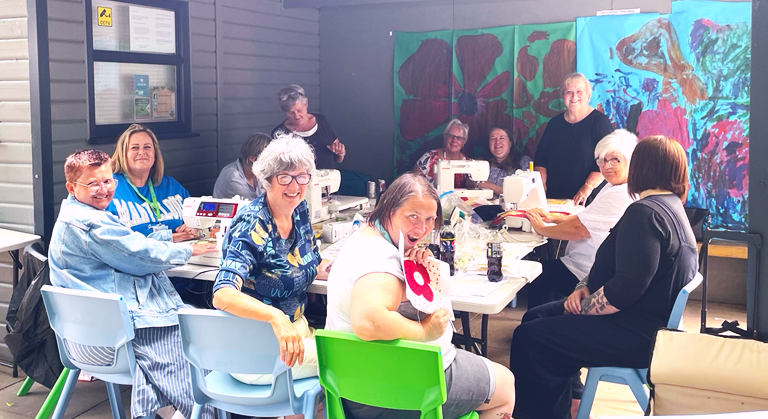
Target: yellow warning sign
x,y
105,16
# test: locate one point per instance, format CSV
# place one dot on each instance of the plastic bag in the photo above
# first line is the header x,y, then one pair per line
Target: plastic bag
x,y
449,201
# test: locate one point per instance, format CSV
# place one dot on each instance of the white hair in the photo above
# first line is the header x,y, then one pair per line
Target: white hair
x,y
620,140
290,95
457,123
573,78
286,153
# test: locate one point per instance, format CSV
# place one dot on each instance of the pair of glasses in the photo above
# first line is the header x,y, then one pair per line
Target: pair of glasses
x,y
96,186
613,161
301,179
292,95
451,137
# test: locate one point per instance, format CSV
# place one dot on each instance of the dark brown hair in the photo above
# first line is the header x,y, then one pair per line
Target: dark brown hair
x,y
408,185
658,162
512,161
79,160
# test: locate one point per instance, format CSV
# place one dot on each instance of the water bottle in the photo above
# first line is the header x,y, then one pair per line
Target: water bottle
x,y
494,252
447,244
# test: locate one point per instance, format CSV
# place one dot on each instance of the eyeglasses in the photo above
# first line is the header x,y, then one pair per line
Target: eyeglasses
x,y
613,161
451,137
292,95
96,186
301,179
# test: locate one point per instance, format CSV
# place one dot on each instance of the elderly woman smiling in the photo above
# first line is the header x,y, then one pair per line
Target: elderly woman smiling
x,y
269,256
454,137
587,230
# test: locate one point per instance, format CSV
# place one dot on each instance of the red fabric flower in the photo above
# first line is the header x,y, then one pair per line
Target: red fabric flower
x,y
418,280
477,105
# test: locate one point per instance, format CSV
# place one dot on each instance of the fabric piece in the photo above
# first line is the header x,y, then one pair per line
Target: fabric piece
x,y
308,368
599,217
469,381
252,263
567,151
232,181
322,137
92,250
361,256
135,213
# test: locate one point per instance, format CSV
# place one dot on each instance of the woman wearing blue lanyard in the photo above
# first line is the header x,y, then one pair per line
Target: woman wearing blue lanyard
x,y
145,200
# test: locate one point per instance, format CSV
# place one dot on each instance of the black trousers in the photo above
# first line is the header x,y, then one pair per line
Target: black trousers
x,y
549,349
554,283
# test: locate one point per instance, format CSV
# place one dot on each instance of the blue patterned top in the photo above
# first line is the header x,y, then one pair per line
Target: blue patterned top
x,y
260,263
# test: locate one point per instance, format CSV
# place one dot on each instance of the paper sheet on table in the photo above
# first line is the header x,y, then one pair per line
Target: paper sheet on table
x,y
473,285
332,251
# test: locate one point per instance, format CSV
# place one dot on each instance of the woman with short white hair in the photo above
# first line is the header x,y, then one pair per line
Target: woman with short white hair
x,y
455,136
586,230
313,128
270,257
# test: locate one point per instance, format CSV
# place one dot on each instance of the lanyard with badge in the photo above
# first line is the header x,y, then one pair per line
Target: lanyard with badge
x,y
152,204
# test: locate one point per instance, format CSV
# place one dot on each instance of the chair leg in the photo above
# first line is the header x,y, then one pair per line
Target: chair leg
x,y
25,386
197,411
221,413
53,397
641,393
588,396
66,394
115,401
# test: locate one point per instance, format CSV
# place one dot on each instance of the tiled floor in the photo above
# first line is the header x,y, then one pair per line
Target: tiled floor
x,y
90,399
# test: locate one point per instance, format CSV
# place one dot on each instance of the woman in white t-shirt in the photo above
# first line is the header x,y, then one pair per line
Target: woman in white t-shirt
x,y
366,296
586,230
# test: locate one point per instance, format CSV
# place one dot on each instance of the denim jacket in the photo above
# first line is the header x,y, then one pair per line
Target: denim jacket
x,y
91,250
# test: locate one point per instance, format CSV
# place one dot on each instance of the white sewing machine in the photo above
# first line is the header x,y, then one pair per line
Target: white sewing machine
x,y
322,204
213,217
478,170
523,190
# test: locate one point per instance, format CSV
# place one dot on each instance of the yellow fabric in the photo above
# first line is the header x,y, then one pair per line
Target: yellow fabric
x,y
695,373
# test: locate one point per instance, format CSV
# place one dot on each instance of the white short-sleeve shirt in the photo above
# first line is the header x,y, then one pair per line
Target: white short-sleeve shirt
x,y
599,218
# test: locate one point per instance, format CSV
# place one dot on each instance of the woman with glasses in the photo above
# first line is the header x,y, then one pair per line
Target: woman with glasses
x,y
270,257
313,128
564,156
454,137
586,230
146,200
92,250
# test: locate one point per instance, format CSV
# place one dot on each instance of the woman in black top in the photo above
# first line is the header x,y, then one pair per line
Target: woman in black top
x,y
611,319
313,128
565,154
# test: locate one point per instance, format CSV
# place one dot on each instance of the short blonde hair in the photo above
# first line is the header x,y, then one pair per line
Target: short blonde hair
x,y
119,163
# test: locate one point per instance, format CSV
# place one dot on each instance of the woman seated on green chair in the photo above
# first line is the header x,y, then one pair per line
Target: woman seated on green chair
x,y
366,296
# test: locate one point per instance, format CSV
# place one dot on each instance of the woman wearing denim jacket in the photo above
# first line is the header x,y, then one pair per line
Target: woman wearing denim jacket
x,y
91,250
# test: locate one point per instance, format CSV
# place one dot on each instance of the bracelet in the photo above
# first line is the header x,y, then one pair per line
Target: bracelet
x,y
580,285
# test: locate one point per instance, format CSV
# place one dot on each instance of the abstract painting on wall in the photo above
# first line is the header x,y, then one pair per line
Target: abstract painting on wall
x,y
544,55
684,75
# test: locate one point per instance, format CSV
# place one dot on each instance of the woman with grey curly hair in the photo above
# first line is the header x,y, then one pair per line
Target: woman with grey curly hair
x,y
270,257
454,137
313,128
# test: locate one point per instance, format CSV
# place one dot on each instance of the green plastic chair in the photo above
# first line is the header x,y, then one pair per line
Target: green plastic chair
x,y
395,374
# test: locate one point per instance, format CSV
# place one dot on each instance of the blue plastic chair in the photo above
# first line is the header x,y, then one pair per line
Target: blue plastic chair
x,y
635,378
94,319
222,343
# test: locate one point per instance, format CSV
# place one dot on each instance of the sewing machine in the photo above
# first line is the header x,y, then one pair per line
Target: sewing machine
x,y
213,217
523,190
478,171
322,204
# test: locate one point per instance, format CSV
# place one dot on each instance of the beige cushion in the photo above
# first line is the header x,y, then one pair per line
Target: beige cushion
x,y
694,373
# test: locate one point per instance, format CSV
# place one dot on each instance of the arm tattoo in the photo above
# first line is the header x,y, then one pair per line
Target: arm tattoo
x,y
596,304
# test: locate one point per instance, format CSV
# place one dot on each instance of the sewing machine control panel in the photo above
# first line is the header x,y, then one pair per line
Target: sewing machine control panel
x,y
216,209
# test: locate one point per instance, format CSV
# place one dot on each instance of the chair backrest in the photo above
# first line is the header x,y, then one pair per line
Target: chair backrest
x,y
219,341
95,319
676,317
393,374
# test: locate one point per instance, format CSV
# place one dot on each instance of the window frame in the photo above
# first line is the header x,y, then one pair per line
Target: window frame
x,y
182,126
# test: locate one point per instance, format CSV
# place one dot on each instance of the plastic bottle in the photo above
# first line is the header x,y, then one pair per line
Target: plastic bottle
x,y
494,252
434,244
447,244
